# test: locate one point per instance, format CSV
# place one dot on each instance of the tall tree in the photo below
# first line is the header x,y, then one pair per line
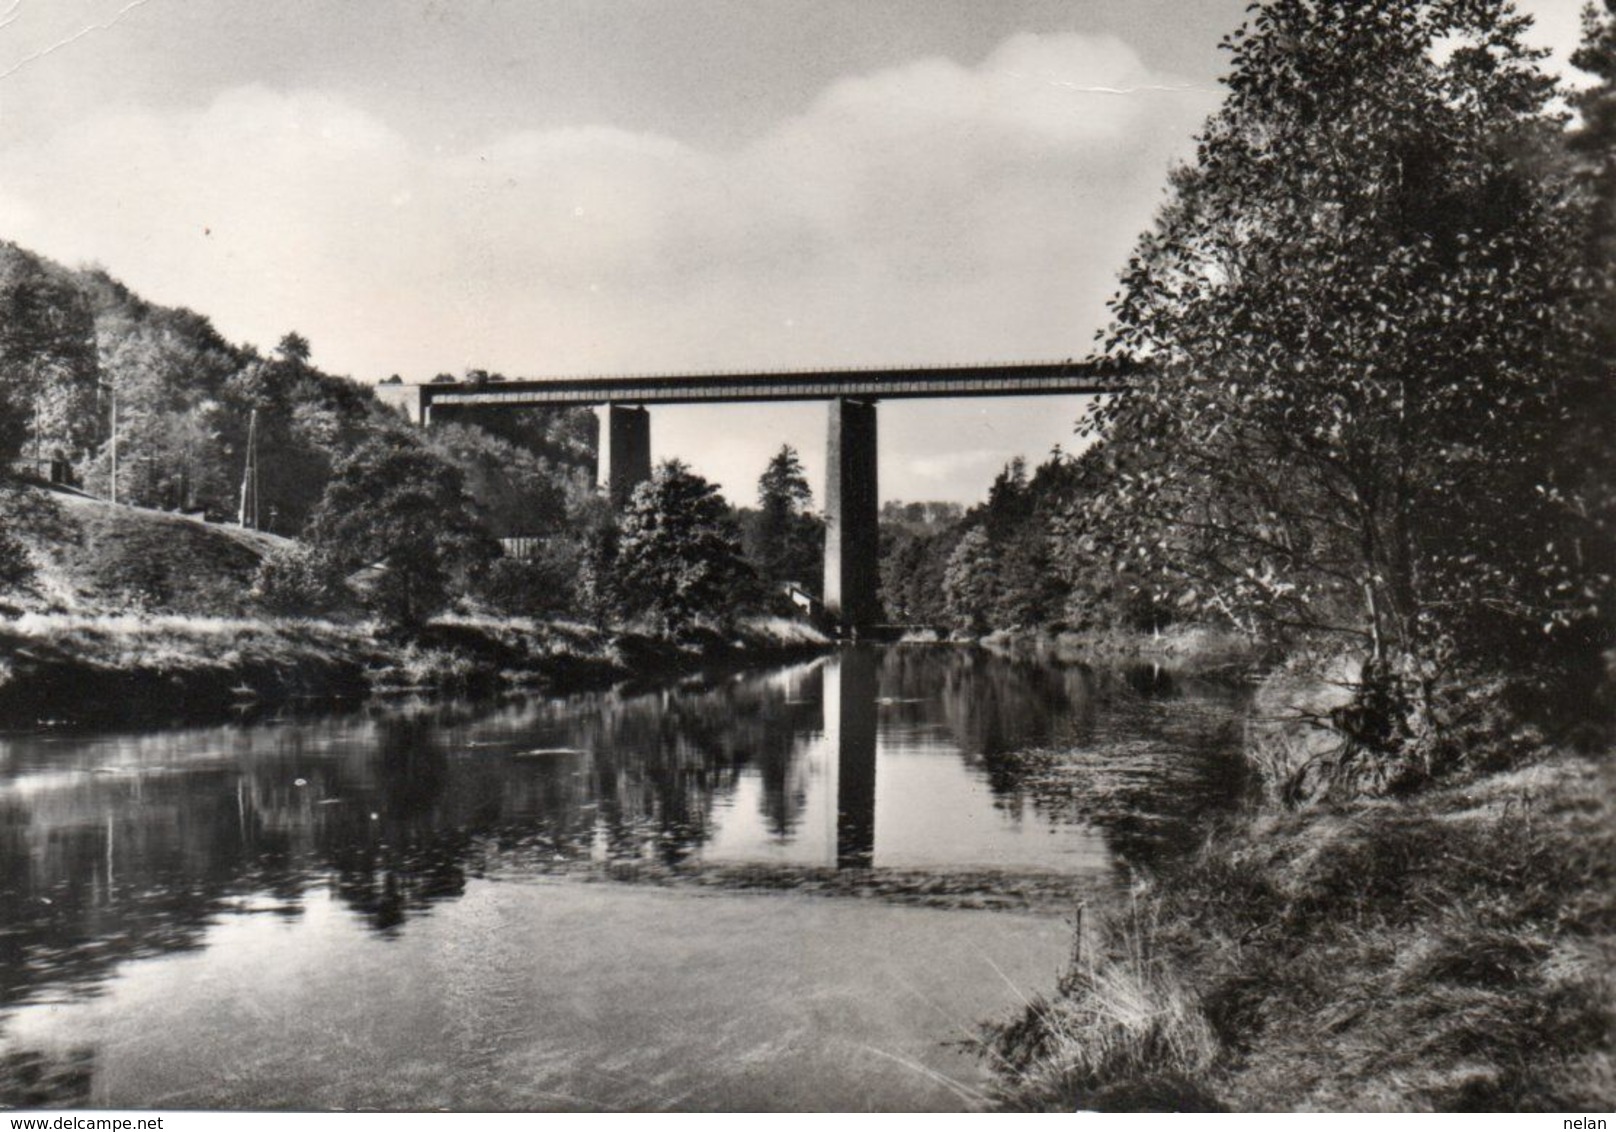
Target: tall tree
x,y
395,505
294,349
48,372
784,540
678,552
969,581
1587,479
1352,324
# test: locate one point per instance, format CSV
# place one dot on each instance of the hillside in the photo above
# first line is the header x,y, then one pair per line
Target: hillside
x,y
91,373
97,558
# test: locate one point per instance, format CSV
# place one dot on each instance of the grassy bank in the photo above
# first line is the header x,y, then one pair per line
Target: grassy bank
x,y
143,616
82,668
88,668
1454,951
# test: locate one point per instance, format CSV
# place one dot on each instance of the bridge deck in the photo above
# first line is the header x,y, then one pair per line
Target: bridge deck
x,y
1007,380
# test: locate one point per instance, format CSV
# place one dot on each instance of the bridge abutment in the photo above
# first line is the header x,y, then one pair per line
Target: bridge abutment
x,y
628,455
852,507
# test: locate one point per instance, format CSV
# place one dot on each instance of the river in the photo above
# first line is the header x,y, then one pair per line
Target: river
x,y
792,888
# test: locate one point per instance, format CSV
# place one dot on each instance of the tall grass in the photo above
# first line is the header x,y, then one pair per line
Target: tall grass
x,y
1123,1030
1456,951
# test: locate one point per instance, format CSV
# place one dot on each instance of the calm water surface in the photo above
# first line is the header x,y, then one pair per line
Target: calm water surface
x,y
424,906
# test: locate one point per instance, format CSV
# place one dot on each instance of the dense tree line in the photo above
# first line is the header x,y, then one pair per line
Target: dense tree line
x,y
1366,330
81,356
150,405
1371,341
1372,334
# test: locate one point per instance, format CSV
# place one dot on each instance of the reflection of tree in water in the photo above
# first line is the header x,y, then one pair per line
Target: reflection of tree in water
x,y
133,847
122,867
661,760
990,703
787,726
1154,765
656,768
409,851
35,1079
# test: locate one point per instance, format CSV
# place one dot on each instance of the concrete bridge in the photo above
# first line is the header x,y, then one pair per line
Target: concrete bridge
x,y
852,503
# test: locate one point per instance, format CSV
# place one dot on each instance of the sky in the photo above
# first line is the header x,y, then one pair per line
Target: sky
x,y
552,187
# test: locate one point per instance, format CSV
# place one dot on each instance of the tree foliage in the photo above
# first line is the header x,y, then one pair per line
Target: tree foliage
x,y
48,367
995,566
784,540
565,437
1355,329
1594,139
1588,457
396,506
916,541
968,581
678,552
522,494
21,510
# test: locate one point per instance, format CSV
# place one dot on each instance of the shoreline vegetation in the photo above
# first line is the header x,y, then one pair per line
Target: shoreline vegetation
x,y
1455,951
115,632
143,669
1369,426
1339,944
1335,946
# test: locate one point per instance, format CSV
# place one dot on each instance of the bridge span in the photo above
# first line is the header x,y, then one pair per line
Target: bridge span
x,y
852,503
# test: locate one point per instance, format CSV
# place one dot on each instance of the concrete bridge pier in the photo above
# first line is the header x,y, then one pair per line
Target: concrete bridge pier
x,y
627,430
852,506
852,500
852,541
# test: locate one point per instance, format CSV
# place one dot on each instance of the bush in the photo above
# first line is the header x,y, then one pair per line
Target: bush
x,y
16,568
544,585
300,580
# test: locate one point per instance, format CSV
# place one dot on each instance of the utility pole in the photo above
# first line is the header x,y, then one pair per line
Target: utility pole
x,y
113,390
249,476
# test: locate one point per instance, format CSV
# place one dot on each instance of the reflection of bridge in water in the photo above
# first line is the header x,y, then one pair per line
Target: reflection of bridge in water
x,y
852,502
121,846
850,727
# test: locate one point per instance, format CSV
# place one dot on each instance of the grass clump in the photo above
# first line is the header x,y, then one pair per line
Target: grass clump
x,y
1122,1032
1452,951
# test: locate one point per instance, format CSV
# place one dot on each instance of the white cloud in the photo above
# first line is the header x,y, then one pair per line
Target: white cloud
x,y
928,203
927,213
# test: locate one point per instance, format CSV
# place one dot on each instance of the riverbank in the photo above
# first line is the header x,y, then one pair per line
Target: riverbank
x,y
62,668
1451,951
1198,648
1182,644
138,616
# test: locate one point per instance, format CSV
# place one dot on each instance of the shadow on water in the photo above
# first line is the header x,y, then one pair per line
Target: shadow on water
x,y
120,846
35,1079
851,689
1153,761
